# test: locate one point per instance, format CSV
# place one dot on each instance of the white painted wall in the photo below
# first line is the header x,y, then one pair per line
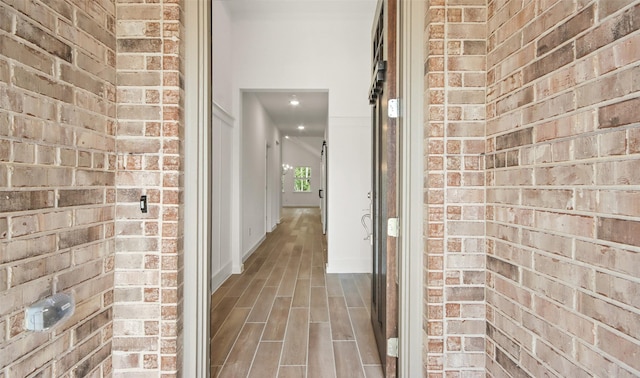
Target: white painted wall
x,y
302,152
320,51
349,183
222,154
222,57
259,166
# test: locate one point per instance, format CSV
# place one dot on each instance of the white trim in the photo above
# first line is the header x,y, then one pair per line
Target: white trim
x,y
221,195
411,196
253,249
349,266
197,217
266,186
236,191
218,278
223,114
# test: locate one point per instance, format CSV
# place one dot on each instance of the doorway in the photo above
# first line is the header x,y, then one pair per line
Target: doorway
x,y
196,304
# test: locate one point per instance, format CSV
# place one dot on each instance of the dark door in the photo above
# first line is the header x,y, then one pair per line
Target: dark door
x,y
384,306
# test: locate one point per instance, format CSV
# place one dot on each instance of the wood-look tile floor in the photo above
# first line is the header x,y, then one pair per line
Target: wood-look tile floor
x,y
284,317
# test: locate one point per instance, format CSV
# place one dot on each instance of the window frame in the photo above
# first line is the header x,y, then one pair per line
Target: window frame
x,y
301,175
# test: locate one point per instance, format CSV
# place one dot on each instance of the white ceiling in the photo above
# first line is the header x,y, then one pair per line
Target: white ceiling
x,y
312,112
284,8
314,106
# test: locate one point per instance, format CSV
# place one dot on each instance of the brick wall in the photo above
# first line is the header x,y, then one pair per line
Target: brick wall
x,y
57,174
454,180
563,206
148,268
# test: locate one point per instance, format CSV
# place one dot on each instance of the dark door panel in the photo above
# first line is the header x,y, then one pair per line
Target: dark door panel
x,y
384,307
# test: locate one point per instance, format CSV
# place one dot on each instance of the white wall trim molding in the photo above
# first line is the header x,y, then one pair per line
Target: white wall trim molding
x,y
197,191
219,277
237,267
411,190
250,252
349,266
223,114
221,191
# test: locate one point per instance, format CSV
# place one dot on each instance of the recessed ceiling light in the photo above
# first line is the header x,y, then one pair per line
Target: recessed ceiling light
x,y
294,101
286,136
301,127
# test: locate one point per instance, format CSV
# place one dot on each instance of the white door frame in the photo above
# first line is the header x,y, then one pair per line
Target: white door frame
x,y
411,247
197,189
267,189
198,100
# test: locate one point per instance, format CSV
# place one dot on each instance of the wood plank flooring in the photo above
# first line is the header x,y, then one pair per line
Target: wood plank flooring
x,y
284,317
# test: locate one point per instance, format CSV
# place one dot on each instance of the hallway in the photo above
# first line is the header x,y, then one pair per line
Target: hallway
x,y
284,317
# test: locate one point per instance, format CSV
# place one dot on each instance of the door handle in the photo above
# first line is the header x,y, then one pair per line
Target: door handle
x,y
366,229
320,193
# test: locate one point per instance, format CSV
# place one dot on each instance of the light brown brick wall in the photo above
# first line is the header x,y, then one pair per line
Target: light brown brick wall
x,y
563,205
149,249
57,177
454,181
69,217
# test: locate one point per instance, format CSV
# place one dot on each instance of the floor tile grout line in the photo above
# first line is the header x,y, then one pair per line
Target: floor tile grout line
x,y
260,340
223,321
230,349
270,311
290,308
355,339
351,325
243,326
333,352
255,352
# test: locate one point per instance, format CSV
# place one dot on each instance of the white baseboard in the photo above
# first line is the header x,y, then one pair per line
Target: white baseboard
x,y
237,269
350,266
253,249
218,278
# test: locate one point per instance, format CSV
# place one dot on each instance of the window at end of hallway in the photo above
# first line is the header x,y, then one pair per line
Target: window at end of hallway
x,y
302,179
